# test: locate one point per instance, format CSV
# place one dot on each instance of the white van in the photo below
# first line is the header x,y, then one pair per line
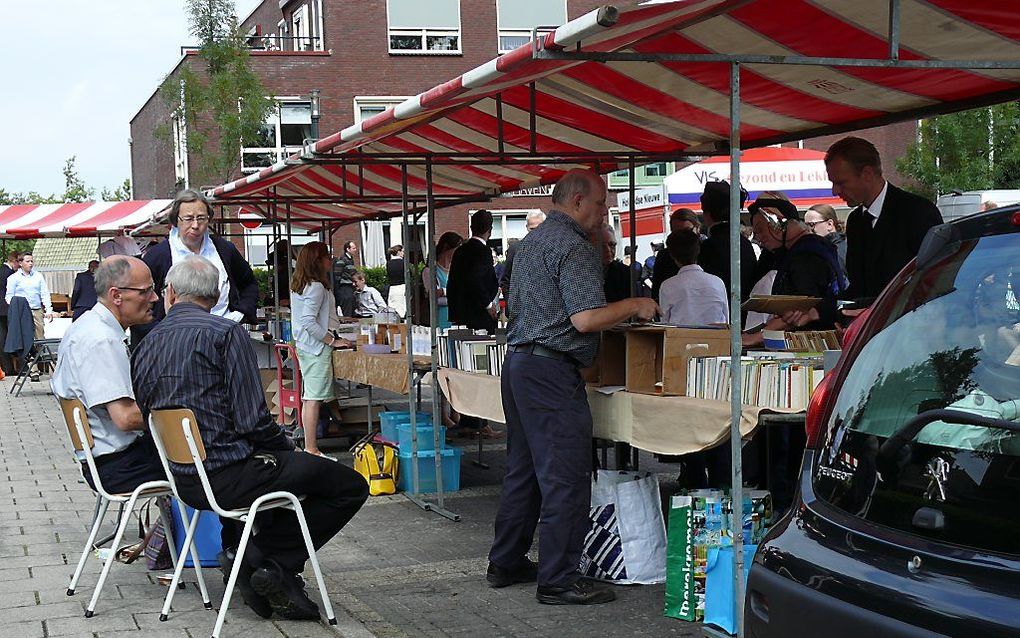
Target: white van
x,y
957,204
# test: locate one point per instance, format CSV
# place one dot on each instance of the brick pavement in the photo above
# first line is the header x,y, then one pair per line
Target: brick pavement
x,y
394,572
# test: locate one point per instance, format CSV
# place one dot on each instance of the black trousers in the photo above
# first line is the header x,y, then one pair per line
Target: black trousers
x,y
125,470
548,474
6,360
344,294
333,495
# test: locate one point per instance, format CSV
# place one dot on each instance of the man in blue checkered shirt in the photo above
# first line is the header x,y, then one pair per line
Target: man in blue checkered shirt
x,y
557,309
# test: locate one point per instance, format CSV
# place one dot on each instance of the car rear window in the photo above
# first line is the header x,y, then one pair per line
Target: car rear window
x,y
950,340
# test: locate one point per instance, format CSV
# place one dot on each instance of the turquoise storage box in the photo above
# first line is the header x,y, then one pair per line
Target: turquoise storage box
x,y
388,422
427,471
426,437
207,534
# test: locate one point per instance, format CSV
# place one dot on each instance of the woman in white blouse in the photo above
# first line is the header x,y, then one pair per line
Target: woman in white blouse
x,y
312,306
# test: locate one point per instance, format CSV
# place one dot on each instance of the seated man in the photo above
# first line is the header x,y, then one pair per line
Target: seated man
x,y
692,297
93,366
369,301
203,362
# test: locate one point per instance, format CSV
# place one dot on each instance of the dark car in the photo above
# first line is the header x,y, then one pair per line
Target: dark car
x,y
907,518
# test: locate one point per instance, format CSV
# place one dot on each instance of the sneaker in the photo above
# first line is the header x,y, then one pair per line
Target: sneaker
x,y
253,599
285,592
501,577
583,592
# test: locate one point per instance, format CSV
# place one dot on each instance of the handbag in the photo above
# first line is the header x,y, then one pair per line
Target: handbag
x,y
376,459
626,543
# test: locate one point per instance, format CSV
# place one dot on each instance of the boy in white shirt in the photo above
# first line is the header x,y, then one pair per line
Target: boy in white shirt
x,y
369,301
692,297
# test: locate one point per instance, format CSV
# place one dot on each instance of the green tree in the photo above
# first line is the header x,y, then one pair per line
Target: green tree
x,y
75,189
971,150
221,103
121,193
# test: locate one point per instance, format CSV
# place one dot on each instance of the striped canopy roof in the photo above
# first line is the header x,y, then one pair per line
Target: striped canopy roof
x,y
77,219
489,132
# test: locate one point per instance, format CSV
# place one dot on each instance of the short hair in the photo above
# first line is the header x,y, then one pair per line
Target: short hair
x,y
715,200
358,275
481,222
349,243
186,196
575,182
684,246
93,261
195,277
27,253
857,152
14,255
685,215
535,214
606,228
113,272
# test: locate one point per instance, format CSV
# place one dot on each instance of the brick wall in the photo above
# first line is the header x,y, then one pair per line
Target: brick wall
x,y
891,141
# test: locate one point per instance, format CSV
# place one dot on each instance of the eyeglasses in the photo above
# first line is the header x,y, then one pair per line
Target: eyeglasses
x,y
145,291
187,221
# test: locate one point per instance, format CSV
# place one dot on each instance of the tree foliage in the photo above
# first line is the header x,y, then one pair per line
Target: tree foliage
x,y
220,103
971,150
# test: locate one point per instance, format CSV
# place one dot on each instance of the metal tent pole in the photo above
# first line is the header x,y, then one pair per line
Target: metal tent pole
x,y
411,403
635,275
736,456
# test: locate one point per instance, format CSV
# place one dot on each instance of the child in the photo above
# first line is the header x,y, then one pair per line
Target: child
x,y
368,300
691,297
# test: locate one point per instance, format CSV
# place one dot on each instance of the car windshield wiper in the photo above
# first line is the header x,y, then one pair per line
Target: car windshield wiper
x,y
889,450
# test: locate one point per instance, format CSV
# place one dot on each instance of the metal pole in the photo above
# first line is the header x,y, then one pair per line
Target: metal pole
x,y
736,488
894,29
635,275
409,341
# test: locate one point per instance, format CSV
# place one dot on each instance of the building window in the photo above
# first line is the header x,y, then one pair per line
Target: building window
x,y
656,170
304,29
431,27
283,134
366,107
180,133
516,19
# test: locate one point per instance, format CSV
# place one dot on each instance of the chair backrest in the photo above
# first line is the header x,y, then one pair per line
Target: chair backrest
x,y
68,406
169,424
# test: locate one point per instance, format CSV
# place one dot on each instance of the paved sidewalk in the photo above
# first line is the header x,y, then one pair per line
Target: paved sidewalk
x,y
394,572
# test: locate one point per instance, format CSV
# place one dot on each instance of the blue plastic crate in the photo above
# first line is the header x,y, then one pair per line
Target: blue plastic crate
x,y
207,534
427,471
426,439
388,422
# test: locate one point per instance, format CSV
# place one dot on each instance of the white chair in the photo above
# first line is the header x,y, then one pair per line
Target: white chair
x,y
78,428
178,440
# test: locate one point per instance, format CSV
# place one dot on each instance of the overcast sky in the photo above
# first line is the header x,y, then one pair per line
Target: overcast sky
x,y
74,78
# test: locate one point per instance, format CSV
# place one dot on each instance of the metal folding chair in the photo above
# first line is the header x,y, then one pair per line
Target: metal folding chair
x,y
178,440
44,351
81,439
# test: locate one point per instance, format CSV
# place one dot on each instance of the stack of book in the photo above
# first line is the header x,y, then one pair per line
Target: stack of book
x,y
768,379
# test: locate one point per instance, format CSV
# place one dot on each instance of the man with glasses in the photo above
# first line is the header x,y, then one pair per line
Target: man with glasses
x,y
93,366
190,214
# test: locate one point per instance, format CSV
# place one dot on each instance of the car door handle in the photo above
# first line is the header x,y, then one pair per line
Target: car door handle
x,y
759,605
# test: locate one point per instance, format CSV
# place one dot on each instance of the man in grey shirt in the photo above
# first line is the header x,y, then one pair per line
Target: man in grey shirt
x,y
557,309
93,366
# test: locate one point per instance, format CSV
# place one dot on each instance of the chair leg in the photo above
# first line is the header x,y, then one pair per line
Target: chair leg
x,y
170,542
241,547
101,506
128,508
198,572
179,567
315,562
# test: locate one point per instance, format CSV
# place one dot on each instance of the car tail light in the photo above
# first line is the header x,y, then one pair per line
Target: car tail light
x,y
854,328
1015,219
818,409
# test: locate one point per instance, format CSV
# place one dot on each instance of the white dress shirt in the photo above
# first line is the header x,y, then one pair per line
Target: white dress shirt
x,y
93,366
692,297
178,252
875,208
370,302
32,287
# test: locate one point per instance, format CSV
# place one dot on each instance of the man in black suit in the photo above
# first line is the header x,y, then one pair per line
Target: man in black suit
x,y
6,270
472,288
885,230
715,250
83,297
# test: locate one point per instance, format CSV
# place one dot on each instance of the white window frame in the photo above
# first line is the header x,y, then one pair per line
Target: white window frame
x,y
501,32
301,22
281,33
386,101
424,33
279,152
179,127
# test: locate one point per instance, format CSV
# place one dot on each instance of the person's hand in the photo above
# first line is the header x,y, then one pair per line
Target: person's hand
x,y
49,316
751,339
341,343
645,308
798,318
852,313
493,311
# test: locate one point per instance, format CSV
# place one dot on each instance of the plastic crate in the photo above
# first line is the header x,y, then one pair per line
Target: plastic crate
x,y
208,541
427,471
426,440
388,422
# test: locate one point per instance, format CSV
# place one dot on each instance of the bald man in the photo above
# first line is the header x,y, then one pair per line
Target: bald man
x,y
93,366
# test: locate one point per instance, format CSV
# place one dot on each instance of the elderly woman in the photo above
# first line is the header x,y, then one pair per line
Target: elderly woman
x,y
312,305
190,214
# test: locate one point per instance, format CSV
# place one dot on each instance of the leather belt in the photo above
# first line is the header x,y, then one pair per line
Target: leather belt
x,y
542,351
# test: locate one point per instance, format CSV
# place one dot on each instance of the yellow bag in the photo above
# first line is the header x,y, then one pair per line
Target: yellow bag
x,y
377,460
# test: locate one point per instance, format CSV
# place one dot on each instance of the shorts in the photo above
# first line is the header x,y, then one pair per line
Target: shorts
x,y
316,374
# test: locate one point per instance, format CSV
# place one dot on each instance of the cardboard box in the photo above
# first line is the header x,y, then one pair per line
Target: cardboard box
x,y
657,356
395,334
610,367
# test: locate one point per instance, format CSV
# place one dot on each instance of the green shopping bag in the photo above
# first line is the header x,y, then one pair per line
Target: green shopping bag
x,y
680,597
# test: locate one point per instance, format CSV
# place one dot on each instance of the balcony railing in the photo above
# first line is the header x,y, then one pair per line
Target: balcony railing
x,y
273,42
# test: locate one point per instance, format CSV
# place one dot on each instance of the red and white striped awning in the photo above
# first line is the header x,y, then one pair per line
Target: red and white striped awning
x,y
595,113
78,219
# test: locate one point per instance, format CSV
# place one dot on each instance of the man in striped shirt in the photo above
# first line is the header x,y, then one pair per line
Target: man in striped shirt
x,y
203,362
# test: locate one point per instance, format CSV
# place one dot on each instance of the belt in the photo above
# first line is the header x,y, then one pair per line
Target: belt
x,y
542,351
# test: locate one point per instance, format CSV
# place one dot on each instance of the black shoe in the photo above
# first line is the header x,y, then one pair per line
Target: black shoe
x,y
253,599
501,577
583,592
285,592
